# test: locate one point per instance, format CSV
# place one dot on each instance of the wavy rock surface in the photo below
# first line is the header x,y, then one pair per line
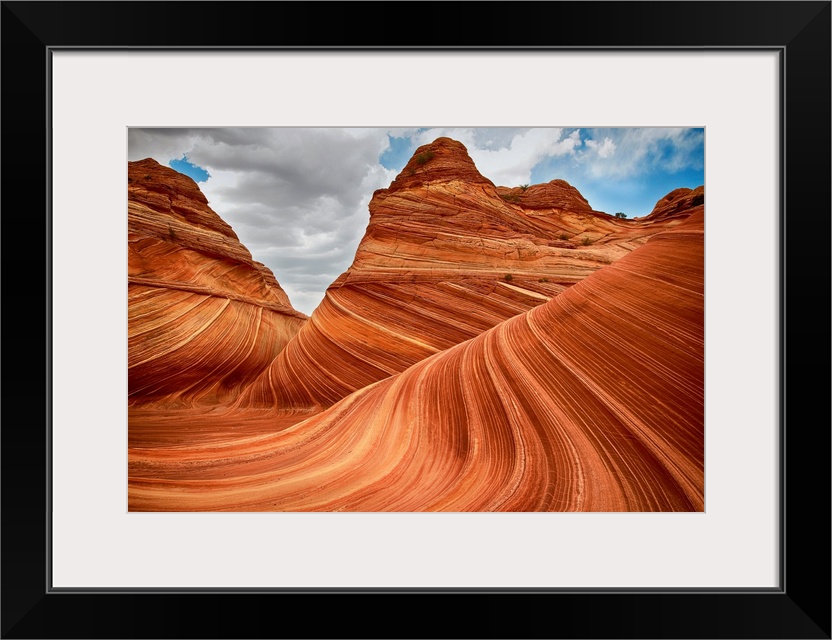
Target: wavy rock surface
x,y
592,401
446,255
203,317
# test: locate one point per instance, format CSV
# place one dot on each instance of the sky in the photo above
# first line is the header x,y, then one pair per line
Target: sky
x,y
298,198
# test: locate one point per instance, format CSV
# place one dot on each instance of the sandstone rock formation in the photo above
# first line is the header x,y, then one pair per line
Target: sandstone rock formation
x,y
203,317
446,255
677,204
591,401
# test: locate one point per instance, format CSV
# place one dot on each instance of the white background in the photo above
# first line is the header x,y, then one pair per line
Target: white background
x,y
98,95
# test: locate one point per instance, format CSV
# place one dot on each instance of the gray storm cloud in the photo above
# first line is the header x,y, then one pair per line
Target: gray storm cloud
x,y
297,198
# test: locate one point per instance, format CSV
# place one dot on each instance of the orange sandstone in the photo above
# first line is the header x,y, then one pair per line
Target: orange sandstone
x,y
478,355
203,317
593,401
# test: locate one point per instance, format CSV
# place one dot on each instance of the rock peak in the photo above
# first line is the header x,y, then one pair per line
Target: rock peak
x,y
150,175
677,201
442,160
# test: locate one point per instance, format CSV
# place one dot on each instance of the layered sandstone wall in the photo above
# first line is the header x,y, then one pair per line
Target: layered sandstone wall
x,y
204,318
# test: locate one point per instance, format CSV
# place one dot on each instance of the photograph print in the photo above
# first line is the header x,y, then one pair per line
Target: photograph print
x,y
416,319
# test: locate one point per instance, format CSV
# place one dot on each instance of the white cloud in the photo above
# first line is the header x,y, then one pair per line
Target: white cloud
x,y
638,151
604,150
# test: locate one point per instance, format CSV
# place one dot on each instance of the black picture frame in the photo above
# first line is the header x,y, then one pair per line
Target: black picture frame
x,y
799,608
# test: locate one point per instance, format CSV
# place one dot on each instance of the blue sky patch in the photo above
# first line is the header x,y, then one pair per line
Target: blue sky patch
x,y
636,190
195,172
397,154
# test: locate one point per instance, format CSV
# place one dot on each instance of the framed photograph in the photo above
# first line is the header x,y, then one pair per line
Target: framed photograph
x,y
102,538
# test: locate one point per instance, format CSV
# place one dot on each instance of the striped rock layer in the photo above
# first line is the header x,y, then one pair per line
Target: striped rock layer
x,y
446,256
204,318
591,401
